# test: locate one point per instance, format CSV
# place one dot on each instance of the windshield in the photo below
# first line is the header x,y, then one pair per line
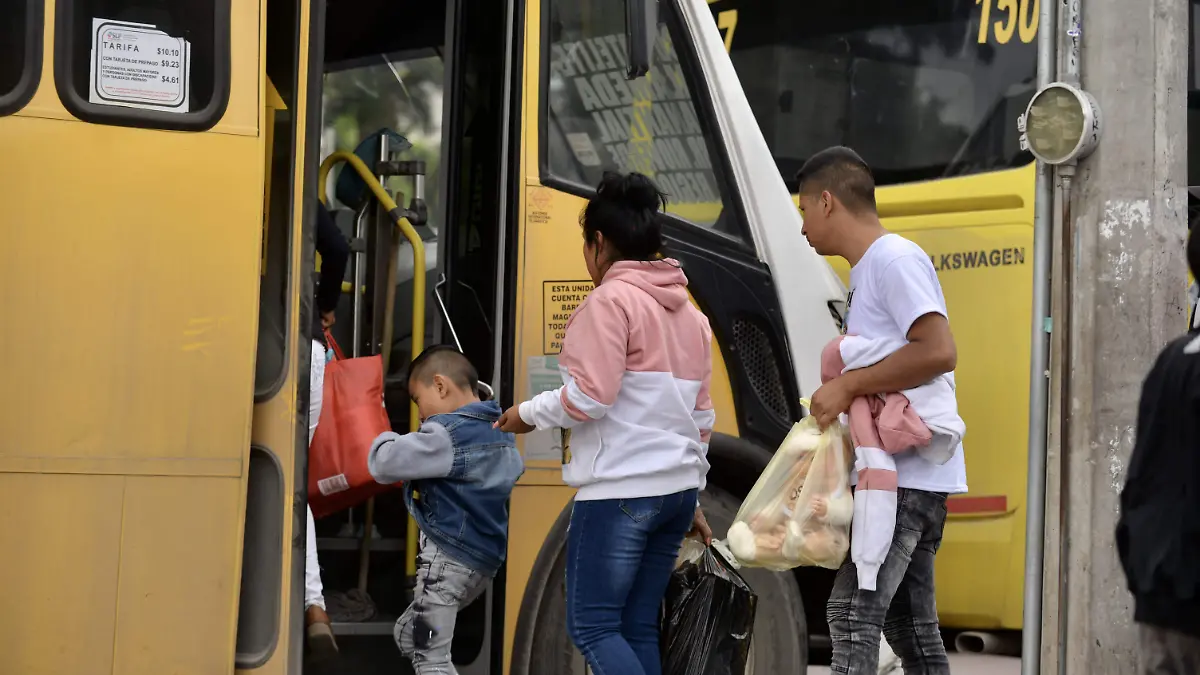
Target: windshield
x,y
920,90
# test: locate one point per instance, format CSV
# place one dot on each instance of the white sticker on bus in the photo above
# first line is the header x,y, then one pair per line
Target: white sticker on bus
x,y
135,65
546,444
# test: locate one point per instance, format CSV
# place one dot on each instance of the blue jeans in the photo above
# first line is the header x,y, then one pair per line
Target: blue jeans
x,y
620,555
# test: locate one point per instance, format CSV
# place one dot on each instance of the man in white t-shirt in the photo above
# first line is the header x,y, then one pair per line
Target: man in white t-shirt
x,y
894,293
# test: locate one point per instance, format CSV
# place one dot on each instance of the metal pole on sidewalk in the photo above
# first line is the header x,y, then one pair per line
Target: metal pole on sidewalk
x,y
1035,491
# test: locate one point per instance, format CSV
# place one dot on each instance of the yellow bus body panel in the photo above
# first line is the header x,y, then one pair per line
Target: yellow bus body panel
x,y
130,287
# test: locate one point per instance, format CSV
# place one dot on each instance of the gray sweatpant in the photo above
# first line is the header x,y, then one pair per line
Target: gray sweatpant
x,y
426,629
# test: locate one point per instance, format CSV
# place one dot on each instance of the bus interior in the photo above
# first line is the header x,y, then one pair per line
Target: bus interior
x,y
433,74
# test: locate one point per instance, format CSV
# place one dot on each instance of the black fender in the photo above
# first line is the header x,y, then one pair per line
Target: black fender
x,y
736,463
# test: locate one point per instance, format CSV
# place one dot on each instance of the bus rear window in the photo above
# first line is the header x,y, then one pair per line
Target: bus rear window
x,y
20,53
921,90
150,63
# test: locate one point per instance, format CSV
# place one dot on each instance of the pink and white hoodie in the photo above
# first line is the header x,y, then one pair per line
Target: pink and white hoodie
x,y
636,365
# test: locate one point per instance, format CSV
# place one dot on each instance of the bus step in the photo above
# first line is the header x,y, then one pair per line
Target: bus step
x,y
375,627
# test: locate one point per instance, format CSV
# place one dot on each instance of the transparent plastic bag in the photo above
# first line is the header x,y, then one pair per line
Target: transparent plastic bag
x,y
708,616
799,511
819,531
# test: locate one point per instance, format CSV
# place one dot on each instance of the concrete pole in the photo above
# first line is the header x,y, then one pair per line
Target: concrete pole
x,y
1128,214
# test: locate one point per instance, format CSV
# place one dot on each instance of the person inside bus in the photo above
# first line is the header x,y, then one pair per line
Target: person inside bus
x,y
1158,532
335,253
894,295
458,473
636,366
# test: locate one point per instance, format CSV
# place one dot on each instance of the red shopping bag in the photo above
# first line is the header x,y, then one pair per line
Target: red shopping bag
x,y
352,416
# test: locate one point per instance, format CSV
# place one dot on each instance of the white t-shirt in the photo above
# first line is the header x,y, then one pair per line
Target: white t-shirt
x,y
892,286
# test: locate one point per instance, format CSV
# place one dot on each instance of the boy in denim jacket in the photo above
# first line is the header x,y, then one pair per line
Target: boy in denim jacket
x,y
459,473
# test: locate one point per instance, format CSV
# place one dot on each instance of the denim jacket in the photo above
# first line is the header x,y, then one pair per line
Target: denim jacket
x,y
459,473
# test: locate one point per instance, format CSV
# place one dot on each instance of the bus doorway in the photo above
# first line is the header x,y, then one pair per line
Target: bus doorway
x,y
430,78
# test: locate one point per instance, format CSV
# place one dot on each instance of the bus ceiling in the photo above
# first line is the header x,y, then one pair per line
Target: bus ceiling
x,y
358,31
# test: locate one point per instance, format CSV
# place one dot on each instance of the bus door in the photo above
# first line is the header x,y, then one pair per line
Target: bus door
x,y
440,92
131,288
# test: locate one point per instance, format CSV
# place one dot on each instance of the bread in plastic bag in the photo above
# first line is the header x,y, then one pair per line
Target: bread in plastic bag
x,y
819,531
708,615
799,511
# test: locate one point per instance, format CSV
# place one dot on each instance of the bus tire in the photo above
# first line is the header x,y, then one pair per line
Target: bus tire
x,y
542,646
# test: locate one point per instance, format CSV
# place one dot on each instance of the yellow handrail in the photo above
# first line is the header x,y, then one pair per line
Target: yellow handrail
x,y
418,304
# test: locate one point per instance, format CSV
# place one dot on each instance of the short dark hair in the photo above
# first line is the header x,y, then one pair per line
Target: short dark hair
x,y
446,361
843,173
1193,252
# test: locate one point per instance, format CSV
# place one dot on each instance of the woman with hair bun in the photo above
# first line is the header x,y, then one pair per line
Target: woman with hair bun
x,y
635,415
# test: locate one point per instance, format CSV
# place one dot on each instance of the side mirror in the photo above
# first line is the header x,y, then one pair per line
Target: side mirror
x,y
641,23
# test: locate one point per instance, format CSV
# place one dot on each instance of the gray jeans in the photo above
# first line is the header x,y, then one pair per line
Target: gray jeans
x,y
1167,652
903,607
426,629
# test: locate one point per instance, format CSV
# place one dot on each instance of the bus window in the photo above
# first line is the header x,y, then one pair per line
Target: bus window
x,y
920,90
20,53
401,91
172,71
596,120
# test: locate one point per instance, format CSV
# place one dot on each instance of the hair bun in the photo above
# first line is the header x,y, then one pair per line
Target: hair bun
x,y
633,191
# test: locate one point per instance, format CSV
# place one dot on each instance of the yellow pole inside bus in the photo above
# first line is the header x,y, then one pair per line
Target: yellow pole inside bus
x,y
418,304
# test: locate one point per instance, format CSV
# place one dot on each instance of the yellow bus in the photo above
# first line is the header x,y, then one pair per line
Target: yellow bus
x,y
161,175
929,93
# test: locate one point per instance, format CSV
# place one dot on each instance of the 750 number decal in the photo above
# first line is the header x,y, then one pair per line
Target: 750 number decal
x,y
1016,16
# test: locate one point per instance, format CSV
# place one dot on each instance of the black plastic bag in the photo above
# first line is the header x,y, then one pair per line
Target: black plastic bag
x,y
708,618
